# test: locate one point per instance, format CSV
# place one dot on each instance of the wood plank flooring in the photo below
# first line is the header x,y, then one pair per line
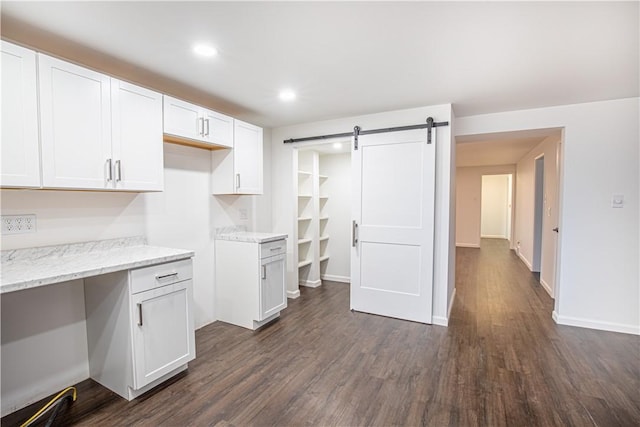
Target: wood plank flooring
x,y
501,362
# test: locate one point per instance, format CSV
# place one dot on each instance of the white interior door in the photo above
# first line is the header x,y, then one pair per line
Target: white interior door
x,y
393,207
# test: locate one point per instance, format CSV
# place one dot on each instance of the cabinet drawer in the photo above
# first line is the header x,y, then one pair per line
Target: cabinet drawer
x,y
145,278
276,247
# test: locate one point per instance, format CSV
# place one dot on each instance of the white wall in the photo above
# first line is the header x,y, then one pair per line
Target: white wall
x,y
599,275
283,202
468,201
494,206
338,187
525,208
184,215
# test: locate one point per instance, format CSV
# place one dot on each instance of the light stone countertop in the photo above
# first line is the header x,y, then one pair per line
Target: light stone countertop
x,y
251,237
33,267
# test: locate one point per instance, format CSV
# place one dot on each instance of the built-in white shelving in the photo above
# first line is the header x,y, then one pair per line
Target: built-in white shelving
x,y
305,263
312,199
305,218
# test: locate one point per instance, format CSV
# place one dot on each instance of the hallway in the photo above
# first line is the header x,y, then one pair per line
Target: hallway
x,y
501,362
537,372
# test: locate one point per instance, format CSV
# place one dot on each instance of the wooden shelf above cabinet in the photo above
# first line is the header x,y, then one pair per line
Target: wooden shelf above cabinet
x,y
173,139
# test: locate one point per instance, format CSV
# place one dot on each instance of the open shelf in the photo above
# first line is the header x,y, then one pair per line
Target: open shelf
x,y
304,218
323,258
323,238
322,177
304,263
323,218
305,196
303,241
303,173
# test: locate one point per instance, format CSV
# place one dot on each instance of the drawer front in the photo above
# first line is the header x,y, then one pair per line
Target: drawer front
x,y
154,276
276,247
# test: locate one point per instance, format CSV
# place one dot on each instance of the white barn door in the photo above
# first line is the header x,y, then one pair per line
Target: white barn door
x,y
393,214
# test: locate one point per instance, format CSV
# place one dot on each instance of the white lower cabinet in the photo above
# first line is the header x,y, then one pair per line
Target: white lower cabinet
x,y
140,326
250,282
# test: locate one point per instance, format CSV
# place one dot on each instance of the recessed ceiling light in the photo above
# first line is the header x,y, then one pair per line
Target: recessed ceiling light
x,y
287,95
337,145
205,50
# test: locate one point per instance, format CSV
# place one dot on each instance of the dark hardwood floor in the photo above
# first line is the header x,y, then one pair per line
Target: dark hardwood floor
x,y
501,362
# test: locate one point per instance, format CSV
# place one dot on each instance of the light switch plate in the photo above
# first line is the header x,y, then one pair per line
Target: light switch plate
x,y
18,224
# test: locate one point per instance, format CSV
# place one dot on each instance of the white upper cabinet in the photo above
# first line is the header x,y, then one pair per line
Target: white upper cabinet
x,y
137,150
206,128
20,151
98,133
75,113
239,171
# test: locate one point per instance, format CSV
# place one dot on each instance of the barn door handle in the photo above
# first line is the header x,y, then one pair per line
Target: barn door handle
x,y
354,234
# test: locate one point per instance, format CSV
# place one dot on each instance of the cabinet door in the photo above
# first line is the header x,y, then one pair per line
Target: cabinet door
x,y
247,158
273,297
20,152
75,109
183,119
218,128
137,137
163,331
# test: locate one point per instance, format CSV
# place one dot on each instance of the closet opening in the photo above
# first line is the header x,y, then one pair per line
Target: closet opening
x,y
323,193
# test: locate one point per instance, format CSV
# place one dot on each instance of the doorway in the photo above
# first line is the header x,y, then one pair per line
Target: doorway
x,y
538,214
496,206
323,200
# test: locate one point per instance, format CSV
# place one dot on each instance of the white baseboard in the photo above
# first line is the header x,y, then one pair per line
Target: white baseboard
x,y
546,287
453,298
293,294
492,236
334,278
526,261
467,245
439,320
595,324
311,283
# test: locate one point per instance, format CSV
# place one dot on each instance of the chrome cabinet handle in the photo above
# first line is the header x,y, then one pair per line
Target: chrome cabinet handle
x,y
237,180
109,171
164,276
354,234
201,126
276,249
139,314
118,171
207,122
264,271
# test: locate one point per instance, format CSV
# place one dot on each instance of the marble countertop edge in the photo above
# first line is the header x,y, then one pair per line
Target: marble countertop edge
x,y
51,267
66,277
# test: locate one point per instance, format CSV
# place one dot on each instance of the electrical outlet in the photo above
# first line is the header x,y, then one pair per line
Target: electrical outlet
x,y
18,224
243,213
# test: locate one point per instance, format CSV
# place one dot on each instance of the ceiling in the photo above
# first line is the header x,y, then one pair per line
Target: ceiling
x,y
349,58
